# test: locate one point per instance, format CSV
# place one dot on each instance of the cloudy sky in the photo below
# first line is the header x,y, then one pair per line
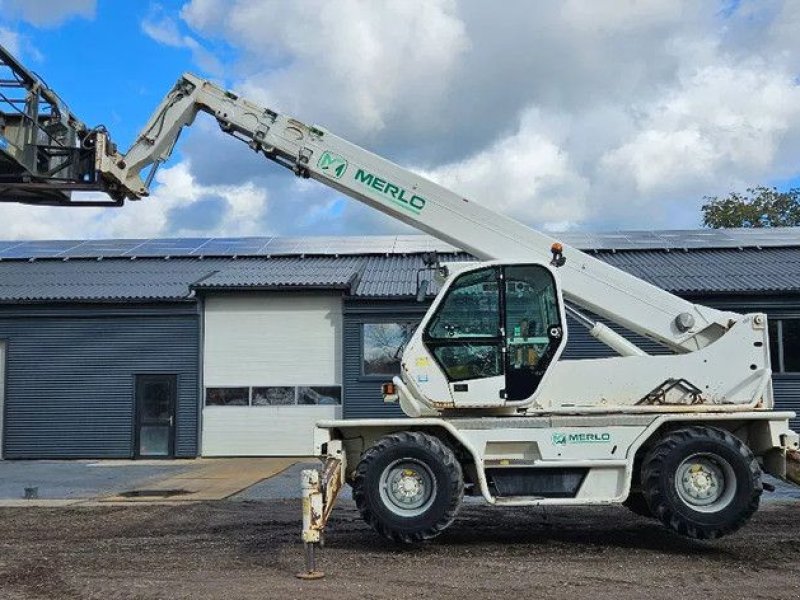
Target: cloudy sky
x,y
587,115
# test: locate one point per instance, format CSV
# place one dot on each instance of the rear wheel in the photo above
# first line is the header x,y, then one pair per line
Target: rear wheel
x,y
702,482
408,486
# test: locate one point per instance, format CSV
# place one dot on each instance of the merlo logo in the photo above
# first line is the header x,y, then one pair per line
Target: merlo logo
x,y
332,164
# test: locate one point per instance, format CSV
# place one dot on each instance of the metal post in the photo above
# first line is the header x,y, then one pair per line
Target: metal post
x,y
312,517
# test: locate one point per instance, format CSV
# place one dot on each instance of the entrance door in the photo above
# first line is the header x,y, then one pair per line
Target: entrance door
x,y
155,416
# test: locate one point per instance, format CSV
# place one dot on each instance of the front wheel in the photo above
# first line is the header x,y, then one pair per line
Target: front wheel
x,y
408,486
702,482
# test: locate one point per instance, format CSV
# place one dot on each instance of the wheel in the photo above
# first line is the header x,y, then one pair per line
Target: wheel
x,y
702,482
408,487
637,504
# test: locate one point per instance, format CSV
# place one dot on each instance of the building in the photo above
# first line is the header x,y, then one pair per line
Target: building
x,y
234,347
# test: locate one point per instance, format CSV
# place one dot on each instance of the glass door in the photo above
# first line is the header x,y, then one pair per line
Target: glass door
x,y
155,416
532,326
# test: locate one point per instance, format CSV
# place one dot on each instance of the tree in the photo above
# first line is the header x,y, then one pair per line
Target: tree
x,y
759,207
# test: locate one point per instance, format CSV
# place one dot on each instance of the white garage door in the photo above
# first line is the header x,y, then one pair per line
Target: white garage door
x,y
272,368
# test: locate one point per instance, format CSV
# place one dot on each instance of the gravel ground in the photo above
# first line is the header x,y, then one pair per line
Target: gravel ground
x,y
250,549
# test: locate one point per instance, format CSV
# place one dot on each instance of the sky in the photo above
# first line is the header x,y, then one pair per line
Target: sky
x,y
567,115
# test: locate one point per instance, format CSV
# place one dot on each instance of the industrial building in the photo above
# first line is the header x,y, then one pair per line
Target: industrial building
x,y
236,347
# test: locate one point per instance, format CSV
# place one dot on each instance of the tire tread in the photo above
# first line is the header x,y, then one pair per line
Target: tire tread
x,y
660,506
455,484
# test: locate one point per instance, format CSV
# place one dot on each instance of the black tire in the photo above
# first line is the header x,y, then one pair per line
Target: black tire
x,y
690,462
637,504
429,460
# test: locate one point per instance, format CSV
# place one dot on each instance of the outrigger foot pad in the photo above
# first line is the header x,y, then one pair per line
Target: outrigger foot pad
x,y
311,567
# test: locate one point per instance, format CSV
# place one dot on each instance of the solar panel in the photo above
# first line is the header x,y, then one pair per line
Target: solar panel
x,y
39,249
167,247
104,248
232,246
385,244
419,243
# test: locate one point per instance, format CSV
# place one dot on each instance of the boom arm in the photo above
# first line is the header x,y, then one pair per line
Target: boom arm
x,y
316,153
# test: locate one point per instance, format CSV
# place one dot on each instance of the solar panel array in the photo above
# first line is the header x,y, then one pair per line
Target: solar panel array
x,y
385,244
222,247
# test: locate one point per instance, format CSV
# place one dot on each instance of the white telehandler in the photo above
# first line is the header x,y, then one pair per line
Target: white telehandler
x,y
493,410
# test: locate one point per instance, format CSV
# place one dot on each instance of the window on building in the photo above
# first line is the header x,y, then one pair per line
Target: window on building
x,y
228,396
273,396
323,395
383,347
784,345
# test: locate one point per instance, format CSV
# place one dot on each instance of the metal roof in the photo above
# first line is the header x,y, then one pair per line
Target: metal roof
x,y
268,273
769,270
735,270
102,280
386,244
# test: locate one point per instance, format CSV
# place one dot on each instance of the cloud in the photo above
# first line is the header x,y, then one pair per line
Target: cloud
x,y
720,119
47,13
526,174
573,114
11,41
179,206
346,62
164,29
592,115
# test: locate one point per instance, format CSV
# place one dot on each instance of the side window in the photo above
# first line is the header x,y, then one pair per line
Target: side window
x,y
791,345
464,335
784,345
774,345
470,310
470,361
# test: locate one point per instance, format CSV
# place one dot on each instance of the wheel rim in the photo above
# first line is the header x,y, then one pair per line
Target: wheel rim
x,y
407,487
705,482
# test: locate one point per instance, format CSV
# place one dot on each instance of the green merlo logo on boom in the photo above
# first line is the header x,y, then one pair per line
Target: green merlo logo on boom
x,y
332,164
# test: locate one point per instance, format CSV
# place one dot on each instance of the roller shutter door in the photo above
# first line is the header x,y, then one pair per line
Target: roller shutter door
x,y
261,352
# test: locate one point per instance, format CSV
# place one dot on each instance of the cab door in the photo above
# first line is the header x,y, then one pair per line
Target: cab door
x,y
532,327
495,333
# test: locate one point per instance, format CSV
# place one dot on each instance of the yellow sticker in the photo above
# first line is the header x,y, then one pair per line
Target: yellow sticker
x,y
423,361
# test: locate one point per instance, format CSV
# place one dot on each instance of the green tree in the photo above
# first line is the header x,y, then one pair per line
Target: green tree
x,y
758,207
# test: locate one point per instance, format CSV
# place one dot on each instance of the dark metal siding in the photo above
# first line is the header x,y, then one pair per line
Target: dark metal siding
x,y
70,374
582,345
362,395
787,395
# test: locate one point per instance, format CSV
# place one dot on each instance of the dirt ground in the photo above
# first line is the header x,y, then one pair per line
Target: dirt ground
x,y
251,550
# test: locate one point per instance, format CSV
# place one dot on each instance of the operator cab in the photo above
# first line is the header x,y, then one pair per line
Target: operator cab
x,y
493,334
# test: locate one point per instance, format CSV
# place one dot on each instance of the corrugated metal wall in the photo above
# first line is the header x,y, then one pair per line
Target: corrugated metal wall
x,y
70,374
362,397
787,395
